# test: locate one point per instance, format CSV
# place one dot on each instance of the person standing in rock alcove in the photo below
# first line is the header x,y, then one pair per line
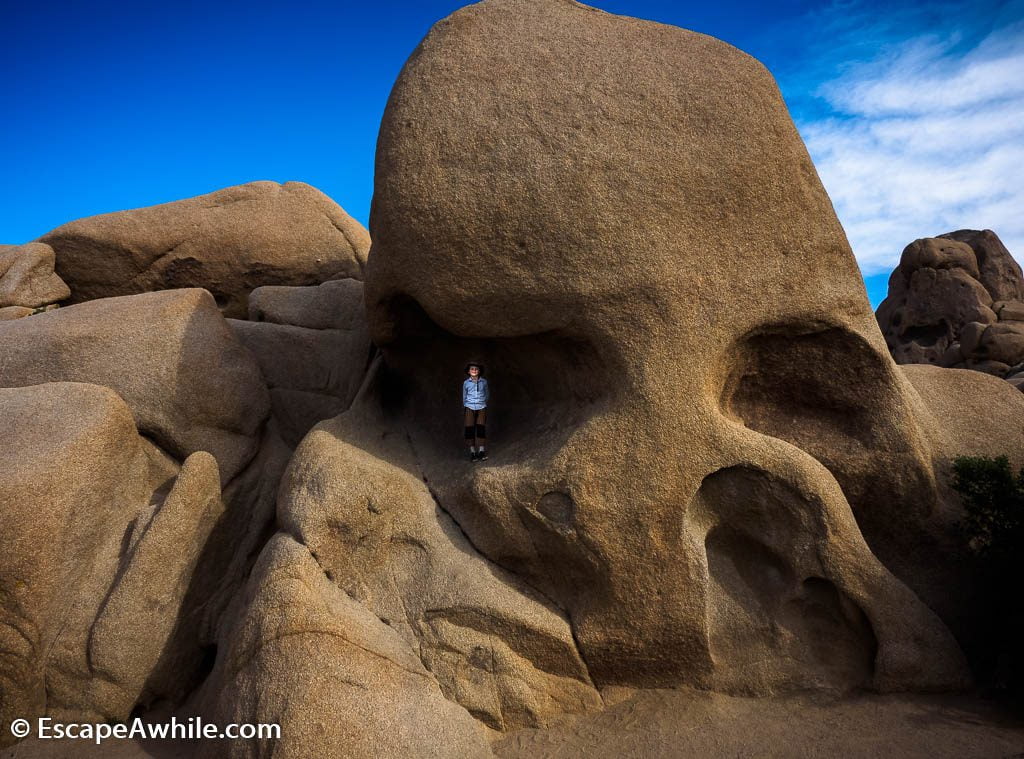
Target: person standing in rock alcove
x,y
475,395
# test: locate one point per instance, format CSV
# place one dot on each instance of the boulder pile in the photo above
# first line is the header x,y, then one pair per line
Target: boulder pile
x,y
957,300
229,242
234,483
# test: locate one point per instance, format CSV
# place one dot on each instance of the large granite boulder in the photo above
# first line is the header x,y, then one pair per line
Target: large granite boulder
x,y
102,533
701,447
27,278
338,681
956,300
229,242
170,355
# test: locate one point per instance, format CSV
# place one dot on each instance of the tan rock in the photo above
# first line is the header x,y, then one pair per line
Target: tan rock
x,y
1012,310
228,242
73,471
131,633
27,277
525,146
326,361
15,312
312,345
337,304
939,253
1002,342
119,559
937,303
953,356
995,368
998,272
970,336
355,498
338,681
170,355
944,285
250,500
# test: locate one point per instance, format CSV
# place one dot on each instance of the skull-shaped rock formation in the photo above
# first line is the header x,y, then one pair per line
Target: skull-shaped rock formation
x,y
698,421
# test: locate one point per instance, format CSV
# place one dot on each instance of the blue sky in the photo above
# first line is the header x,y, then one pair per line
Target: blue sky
x,y
914,113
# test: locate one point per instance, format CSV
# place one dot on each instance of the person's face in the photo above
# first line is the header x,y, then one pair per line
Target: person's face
x,y
474,372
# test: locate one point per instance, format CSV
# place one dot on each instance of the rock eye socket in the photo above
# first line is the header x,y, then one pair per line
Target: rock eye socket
x,y
542,386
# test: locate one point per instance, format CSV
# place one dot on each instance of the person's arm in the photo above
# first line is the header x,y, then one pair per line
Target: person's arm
x,y
487,392
465,394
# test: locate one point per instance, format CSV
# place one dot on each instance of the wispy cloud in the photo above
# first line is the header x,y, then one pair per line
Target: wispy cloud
x,y
923,134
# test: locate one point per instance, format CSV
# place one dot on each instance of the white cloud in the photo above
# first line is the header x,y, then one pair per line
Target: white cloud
x,y
925,139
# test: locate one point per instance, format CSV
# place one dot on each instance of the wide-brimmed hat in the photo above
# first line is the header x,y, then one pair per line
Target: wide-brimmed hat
x,y
477,364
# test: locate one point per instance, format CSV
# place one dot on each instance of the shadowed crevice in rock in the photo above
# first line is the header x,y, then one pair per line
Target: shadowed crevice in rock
x,y
543,385
357,498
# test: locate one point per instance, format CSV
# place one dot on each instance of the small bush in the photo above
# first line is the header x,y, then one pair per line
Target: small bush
x,y
993,527
993,501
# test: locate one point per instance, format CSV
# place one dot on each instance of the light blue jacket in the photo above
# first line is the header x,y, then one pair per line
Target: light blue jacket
x,y
475,394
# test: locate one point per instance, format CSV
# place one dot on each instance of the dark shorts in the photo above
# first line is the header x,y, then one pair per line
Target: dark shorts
x,y
475,416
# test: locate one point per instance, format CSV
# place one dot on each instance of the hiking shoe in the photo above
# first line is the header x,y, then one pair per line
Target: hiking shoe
x,y
482,456
474,456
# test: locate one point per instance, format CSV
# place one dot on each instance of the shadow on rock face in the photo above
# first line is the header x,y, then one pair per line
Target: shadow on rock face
x,y
542,386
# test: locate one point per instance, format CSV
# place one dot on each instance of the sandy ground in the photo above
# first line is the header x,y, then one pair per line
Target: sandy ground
x,y
687,723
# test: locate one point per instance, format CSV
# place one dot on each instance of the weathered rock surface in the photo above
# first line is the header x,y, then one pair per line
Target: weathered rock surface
x,y
72,469
171,356
956,300
338,681
337,304
229,242
353,497
15,312
144,604
312,346
718,402
997,270
27,278
101,535
706,469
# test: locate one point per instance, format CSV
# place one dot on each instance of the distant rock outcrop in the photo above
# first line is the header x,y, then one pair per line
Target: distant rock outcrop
x,y
229,242
957,300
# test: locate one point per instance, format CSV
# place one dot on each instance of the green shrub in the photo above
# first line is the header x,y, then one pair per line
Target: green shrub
x,y
993,529
993,501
